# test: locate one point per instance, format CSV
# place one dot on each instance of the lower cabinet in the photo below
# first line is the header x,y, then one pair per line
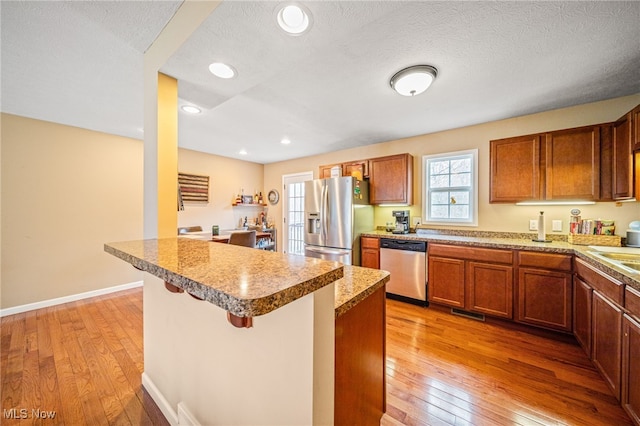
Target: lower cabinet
x,y
360,389
545,290
582,302
475,279
631,367
607,341
370,252
544,298
605,331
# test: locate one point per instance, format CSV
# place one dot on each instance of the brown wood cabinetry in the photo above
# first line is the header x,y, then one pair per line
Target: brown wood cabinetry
x,y
325,171
607,341
582,303
558,165
572,164
356,167
630,398
370,252
391,179
635,128
545,290
360,393
475,279
606,322
515,169
622,168
346,169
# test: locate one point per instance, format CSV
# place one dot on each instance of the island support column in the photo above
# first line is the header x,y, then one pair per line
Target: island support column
x,y
280,371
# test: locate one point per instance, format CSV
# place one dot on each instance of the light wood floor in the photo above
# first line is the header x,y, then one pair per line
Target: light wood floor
x,y
444,369
83,360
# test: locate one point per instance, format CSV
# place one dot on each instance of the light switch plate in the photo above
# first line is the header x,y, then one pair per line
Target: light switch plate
x,y
533,225
556,225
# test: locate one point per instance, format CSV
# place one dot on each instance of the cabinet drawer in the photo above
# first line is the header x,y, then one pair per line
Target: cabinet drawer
x,y
471,253
370,242
561,262
632,301
606,285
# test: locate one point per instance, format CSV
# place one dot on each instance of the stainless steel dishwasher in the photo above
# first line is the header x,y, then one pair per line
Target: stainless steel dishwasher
x,y
407,262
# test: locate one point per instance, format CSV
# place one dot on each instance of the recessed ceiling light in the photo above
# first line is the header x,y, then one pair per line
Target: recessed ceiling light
x,y
413,80
294,19
222,70
243,152
191,109
285,141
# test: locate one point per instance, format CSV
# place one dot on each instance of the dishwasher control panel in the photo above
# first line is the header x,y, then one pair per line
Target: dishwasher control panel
x,y
393,244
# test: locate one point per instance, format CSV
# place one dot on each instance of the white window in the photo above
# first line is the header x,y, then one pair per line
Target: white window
x,y
450,183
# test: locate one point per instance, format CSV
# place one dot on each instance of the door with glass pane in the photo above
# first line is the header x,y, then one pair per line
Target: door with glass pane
x,y
293,212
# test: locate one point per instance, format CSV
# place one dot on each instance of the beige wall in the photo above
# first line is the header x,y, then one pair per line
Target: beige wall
x,y
65,192
493,217
226,178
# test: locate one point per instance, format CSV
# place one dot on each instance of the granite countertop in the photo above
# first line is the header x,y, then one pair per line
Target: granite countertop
x,y
520,242
243,281
356,285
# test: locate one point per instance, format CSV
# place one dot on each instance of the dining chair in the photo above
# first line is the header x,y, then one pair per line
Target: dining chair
x,y
243,238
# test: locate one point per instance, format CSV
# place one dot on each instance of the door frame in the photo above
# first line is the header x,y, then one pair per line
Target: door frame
x,y
287,180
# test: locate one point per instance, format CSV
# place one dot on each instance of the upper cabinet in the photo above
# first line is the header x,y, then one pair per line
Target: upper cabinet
x,y
572,164
560,165
593,163
352,168
391,179
635,131
622,151
515,169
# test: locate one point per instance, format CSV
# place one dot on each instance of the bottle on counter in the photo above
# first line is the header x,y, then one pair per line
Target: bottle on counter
x,y
260,200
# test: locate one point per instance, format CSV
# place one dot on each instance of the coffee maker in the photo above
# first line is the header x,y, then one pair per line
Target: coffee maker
x,y
402,221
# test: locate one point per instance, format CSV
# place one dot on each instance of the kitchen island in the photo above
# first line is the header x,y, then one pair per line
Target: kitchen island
x,y
202,363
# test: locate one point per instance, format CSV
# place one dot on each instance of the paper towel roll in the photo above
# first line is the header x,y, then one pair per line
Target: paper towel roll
x,y
541,235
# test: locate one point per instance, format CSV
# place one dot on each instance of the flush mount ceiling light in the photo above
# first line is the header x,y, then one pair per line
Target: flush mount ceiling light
x,y
294,19
285,141
222,70
413,80
243,152
191,109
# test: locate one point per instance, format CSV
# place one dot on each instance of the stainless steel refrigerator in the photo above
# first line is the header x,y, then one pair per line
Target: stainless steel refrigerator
x,y
336,212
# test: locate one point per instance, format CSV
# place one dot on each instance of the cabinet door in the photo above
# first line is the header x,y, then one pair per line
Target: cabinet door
x,y
391,179
607,341
325,171
370,252
544,298
631,368
635,128
357,167
515,169
446,281
582,295
622,170
572,164
490,289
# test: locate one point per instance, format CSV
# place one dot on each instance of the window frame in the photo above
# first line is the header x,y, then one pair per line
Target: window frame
x,y
473,196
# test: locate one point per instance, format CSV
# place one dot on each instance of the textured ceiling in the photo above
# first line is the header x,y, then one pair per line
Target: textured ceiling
x,y
80,63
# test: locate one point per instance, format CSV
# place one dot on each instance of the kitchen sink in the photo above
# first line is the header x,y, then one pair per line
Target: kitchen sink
x,y
627,258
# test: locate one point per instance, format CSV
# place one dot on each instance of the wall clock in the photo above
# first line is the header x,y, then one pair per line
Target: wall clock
x,y
273,196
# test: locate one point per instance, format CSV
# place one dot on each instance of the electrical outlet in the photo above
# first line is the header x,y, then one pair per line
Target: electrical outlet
x,y
533,224
416,221
556,225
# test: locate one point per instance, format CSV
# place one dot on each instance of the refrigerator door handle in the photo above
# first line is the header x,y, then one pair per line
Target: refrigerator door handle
x,y
325,211
326,250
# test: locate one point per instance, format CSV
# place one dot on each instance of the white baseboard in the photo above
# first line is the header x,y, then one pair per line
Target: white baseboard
x,y
160,400
67,299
